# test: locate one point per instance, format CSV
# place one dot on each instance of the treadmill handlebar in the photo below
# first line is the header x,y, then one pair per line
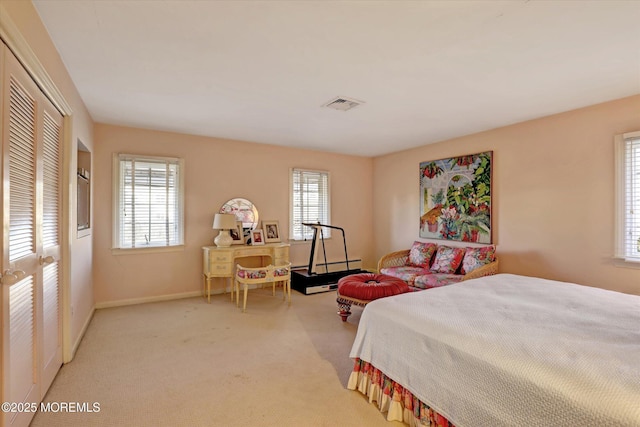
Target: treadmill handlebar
x,y
317,226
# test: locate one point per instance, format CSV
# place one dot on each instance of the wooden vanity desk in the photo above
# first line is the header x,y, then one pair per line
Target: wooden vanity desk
x,y
220,262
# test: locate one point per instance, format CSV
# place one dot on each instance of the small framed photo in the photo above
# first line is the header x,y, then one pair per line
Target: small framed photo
x,y
237,234
257,238
271,231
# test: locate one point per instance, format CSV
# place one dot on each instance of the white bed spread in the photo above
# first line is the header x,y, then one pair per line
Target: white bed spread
x,y
509,350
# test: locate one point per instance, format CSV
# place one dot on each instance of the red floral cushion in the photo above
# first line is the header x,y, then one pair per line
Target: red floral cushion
x,y
447,260
420,254
279,272
370,286
252,274
436,280
477,257
407,273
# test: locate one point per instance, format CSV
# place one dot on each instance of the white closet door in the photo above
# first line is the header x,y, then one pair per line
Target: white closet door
x,y
20,358
51,216
22,378
31,327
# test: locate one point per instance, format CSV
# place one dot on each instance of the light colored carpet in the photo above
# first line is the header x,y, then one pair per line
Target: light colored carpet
x,y
188,363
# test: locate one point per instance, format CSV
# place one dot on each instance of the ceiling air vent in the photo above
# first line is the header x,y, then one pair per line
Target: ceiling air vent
x,y
342,103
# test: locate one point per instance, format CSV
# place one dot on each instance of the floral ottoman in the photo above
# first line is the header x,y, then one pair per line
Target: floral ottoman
x,y
360,289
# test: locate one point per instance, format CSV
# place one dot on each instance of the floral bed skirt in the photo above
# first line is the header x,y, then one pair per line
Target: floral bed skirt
x,y
399,403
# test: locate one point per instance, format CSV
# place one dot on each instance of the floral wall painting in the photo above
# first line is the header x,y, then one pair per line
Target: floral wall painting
x,y
455,198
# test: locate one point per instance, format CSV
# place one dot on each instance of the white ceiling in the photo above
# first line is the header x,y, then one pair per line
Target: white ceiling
x,y
260,70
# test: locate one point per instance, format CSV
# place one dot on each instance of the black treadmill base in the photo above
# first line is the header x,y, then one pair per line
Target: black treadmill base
x,y
308,284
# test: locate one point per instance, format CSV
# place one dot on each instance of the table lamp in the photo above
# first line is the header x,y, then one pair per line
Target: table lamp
x,y
224,223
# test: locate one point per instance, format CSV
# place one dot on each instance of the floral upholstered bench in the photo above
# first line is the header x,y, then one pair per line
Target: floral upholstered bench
x,y
428,265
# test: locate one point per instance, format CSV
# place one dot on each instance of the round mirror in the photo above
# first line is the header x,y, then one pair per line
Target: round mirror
x,y
244,211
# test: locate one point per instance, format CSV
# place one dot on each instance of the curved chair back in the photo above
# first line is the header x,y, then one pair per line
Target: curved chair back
x,y
261,275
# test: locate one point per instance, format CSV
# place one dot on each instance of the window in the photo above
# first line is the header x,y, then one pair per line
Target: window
x,y
309,203
148,194
628,196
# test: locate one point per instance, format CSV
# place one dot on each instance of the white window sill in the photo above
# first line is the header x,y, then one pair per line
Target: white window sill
x,y
300,242
150,250
626,263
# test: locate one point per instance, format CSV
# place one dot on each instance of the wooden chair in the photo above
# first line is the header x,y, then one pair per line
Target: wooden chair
x,y
261,275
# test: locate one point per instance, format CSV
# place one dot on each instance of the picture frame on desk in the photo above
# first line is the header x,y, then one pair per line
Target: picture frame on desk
x,y
257,237
237,234
271,231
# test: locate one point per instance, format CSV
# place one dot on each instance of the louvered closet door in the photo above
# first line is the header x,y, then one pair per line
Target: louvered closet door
x,y
20,359
51,216
31,332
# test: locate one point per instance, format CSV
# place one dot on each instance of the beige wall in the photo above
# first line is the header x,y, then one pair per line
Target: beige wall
x,y
553,200
218,170
78,283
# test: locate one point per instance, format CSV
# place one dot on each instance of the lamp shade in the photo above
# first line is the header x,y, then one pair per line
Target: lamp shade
x,y
224,222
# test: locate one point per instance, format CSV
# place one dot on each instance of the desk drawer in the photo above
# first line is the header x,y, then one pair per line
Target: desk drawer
x,y
220,257
253,251
221,269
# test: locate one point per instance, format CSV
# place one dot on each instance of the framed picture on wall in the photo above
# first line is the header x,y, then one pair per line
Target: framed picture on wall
x,y
237,234
455,198
271,231
257,238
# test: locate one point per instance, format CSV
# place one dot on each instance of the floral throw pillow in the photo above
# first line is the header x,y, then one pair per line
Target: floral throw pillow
x,y
420,254
477,257
447,260
252,274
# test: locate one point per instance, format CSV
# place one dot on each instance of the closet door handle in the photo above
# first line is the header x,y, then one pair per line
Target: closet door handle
x,y
45,260
8,278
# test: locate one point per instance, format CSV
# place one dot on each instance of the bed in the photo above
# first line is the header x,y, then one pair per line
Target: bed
x,y
502,350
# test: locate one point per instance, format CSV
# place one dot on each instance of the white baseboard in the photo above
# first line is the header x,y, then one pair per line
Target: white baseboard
x,y
143,300
76,344
132,301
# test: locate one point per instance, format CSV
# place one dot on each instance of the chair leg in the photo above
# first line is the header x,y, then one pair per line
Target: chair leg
x,y
244,304
288,290
345,310
236,285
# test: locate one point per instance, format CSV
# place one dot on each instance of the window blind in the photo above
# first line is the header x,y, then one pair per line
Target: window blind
x,y
309,202
150,212
631,197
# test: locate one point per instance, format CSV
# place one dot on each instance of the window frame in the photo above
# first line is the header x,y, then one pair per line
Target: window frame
x,y
178,243
325,231
622,228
